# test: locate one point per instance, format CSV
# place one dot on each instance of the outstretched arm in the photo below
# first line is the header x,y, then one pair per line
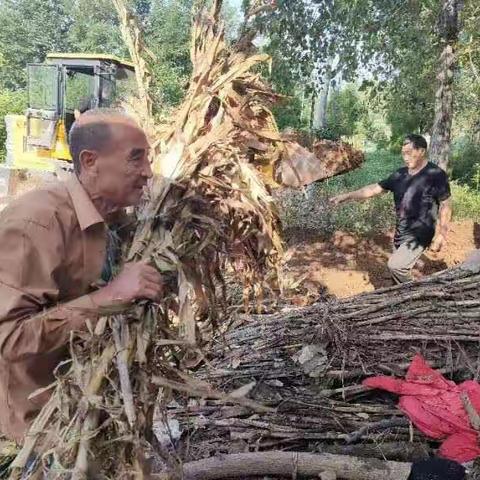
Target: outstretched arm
x,y
362,194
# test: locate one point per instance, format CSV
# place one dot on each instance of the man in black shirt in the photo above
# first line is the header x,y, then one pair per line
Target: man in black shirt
x,y
422,194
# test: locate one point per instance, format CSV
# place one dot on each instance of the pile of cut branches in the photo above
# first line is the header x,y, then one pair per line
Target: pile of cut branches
x,y
373,333
306,364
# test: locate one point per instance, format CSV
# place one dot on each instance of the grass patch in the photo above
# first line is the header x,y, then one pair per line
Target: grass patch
x,y
377,166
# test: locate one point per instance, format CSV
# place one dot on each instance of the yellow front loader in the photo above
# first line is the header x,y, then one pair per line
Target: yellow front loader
x,y
66,84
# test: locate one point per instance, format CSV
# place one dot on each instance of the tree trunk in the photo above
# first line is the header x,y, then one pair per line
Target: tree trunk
x,y
313,101
321,102
449,27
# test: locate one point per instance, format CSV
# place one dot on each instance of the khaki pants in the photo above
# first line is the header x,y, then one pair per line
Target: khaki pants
x,y
403,260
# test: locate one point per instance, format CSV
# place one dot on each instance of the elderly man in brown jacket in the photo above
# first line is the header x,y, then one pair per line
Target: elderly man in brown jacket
x,y
52,251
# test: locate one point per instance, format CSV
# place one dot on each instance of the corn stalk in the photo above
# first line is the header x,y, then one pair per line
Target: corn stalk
x,y
207,212
132,37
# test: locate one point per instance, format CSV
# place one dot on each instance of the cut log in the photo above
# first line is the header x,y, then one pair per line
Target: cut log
x,y
398,451
291,464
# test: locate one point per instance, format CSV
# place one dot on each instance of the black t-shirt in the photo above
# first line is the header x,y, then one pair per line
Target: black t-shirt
x,y
417,198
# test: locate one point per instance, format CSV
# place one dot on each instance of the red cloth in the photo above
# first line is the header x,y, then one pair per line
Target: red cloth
x,y
434,405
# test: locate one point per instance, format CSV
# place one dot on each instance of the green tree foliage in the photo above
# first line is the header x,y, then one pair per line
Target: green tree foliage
x,y
167,25
32,28
392,42
167,33
345,110
466,162
94,28
409,93
10,103
467,119
289,112
368,35
29,30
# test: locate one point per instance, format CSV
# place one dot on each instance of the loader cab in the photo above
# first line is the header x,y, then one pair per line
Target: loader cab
x,y
65,85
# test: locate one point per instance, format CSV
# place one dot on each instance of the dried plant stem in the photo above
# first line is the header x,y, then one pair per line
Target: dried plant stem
x,y
38,427
82,462
100,371
203,390
121,336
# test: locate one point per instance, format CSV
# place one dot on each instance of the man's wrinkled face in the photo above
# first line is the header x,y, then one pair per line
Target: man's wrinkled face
x,y
123,168
413,157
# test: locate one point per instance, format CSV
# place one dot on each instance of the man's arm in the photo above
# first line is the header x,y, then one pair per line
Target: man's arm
x,y
444,217
30,256
362,194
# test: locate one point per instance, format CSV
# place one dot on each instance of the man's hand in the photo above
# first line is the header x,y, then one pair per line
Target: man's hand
x,y
136,281
438,243
338,199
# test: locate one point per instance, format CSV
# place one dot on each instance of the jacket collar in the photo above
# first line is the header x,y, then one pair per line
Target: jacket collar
x,y
86,212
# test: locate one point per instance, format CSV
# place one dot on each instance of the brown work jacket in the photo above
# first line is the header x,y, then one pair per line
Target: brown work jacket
x,y
52,249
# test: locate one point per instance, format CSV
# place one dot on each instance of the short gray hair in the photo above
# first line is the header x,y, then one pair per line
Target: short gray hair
x,y
92,131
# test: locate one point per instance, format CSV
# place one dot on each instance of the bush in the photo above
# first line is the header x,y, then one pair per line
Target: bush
x,y
10,102
465,162
344,111
375,130
466,202
304,212
327,133
288,113
378,165
309,213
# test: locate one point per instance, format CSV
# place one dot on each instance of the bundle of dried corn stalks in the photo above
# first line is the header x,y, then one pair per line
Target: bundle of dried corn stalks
x,y
207,211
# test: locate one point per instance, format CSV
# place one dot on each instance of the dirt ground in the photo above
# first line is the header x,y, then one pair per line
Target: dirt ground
x,y
345,264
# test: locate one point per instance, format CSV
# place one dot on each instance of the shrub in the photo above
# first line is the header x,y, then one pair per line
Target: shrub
x,y
466,202
10,102
465,162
